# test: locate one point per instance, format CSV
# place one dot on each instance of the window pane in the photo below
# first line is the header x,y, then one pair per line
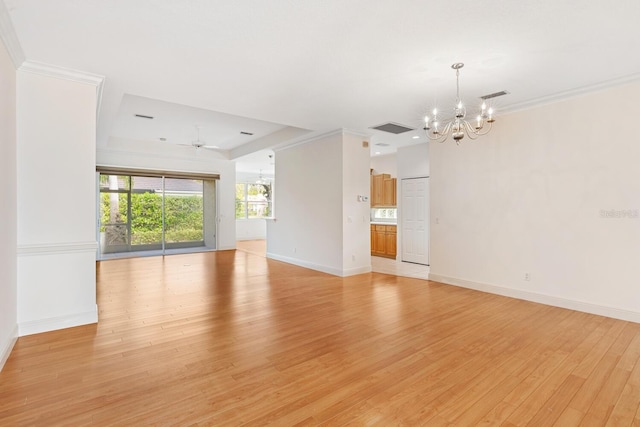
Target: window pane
x,y
184,210
113,182
239,191
241,210
146,210
259,209
114,232
258,192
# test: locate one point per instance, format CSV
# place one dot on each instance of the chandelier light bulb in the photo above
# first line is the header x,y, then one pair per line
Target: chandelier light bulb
x,y
435,112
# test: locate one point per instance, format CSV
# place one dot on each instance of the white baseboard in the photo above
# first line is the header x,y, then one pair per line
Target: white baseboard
x,y
601,310
356,270
6,347
305,264
54,323
257,237
319,267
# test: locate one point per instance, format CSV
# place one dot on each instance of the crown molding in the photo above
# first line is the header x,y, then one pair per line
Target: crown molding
x,y
10,38
317,136
61,73
572,93
57,72
307,139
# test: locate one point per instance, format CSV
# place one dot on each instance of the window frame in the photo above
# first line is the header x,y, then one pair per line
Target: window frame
x,y
246,202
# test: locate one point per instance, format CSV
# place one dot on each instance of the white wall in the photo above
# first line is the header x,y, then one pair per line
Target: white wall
x,y
528,199
55,202
313,183
385,164
356,181
8,218
413,161
251,229
145,155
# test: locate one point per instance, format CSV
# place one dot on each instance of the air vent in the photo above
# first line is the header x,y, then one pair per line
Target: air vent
x,y
246,133
494,95
382,144
142,116
394,128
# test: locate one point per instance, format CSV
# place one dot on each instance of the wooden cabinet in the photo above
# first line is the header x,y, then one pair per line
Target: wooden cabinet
x,y
383,190
383,240
389,192
391,241
377,189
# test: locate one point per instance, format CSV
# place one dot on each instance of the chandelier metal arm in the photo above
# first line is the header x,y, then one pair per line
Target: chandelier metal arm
x,y
441,135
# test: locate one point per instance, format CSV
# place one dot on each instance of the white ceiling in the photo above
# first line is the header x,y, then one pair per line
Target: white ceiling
x,y
320,65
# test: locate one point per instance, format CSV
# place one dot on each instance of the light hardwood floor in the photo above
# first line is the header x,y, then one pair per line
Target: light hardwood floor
x,y
232,338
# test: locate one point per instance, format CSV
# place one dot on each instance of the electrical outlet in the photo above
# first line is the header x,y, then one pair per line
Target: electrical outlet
x,y
527,277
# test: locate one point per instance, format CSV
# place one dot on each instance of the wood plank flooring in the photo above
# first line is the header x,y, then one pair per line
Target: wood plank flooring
x,y
232,338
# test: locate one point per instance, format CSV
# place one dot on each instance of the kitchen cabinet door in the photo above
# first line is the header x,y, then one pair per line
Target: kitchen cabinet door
x,y
391,241
389,192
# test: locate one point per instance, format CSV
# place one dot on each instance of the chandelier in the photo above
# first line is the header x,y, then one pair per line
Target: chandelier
x,y
458,126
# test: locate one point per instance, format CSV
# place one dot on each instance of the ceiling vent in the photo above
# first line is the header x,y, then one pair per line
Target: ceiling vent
x,y
382,144
494,95
245,133
394,128
142,116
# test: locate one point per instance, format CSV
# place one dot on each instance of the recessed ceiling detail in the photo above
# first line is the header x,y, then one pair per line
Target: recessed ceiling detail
x,y
393,128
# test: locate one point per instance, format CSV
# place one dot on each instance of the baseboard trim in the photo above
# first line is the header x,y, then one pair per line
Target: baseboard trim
x,y
601,310
313,266
356,270
54,323
8,347
247,238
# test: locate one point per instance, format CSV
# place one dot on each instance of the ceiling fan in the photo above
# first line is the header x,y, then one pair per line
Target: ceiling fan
x,y
201,144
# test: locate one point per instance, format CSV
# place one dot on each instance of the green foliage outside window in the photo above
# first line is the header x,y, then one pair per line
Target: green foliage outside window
x,y
253,201
183,217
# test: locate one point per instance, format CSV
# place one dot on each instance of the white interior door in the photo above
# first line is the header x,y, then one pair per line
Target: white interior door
x,y
415,220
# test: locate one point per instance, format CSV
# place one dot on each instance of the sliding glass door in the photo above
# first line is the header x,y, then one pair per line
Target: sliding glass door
x,y
142,213
184,212
115,234
146,213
